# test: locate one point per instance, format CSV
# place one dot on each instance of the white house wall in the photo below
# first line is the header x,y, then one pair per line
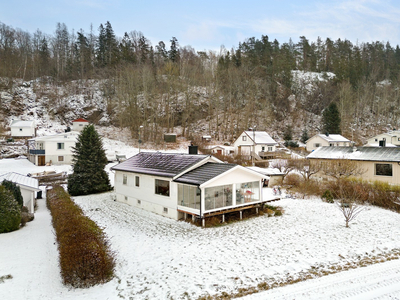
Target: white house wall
x,y
149,200
25,132
52,153
29,197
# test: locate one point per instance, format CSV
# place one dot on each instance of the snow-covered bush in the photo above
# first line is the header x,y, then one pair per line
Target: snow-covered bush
x,y
10,211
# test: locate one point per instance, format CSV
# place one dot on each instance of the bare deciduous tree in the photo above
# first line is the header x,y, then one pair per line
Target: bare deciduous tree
x,y
342,168
307,167
349,201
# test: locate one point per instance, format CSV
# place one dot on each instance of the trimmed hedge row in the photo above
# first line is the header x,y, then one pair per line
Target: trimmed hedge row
x,y
85,257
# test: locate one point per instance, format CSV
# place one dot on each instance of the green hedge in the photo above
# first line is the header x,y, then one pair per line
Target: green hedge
x,y
85,258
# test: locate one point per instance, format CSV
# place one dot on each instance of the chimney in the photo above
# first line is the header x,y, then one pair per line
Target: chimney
x,y
193,149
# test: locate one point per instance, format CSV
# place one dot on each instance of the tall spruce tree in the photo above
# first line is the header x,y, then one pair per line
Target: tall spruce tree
x,y
331,119
89,160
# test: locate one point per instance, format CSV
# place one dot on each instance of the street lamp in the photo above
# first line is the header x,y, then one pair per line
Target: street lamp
x,y
140,141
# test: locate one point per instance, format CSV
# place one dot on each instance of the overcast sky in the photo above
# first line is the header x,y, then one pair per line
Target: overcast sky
x,y
206,25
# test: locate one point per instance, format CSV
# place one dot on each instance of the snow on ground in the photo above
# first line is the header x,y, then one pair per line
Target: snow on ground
x,y
159,258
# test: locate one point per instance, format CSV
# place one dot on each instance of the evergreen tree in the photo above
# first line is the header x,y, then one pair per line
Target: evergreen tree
x,y
15,190
304,136
10,211
331,119
89,160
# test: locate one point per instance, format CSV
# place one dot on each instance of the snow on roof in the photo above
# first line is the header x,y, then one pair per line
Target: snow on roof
x,y
80,120
334,138
260,137
71,135
19,123
21,180
358,153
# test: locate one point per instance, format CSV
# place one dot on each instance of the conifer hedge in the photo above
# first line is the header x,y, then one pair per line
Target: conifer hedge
x,y
85,256
10,211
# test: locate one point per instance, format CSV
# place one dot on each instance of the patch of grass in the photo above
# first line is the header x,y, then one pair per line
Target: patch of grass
x,y
3,278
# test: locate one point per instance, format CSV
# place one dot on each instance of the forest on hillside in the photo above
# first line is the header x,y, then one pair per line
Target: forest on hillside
x,y
169,85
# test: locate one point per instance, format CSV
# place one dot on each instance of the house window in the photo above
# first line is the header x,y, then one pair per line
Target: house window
x,y
162,187
247,192
124,179
20,129
165,210
219,196
383,169
60,146
126,198
137,181
262,148
61,158
139,202
189,196
316,145
244,138
376,140
269,149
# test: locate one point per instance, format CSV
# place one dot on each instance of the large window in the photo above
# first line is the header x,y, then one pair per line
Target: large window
x,y
137,181
189,196
383,169
60,146
162,187
124,179
248,192
219,196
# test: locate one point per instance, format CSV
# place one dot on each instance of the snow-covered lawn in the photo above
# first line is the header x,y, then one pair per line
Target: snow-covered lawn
x,y
159,258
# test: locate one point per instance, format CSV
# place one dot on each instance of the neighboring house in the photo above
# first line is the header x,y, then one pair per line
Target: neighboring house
x,y
29,187
22,129
221,150
273,175
324,140
52,149
387,139
258,142
379,163
79,124
177,185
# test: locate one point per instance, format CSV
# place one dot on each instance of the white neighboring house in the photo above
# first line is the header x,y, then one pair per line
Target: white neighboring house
x,y
79,124
221,150
52,149
178,185
324,140
23,128
259,141
28,185
387,139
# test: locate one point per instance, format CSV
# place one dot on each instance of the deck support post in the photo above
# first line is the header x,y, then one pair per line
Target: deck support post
x,y
241,215
203,221
193,218
223,218
257,210
185,216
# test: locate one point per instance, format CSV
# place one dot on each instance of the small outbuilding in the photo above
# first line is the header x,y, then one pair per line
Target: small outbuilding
x,y
79,124
29,187
23,129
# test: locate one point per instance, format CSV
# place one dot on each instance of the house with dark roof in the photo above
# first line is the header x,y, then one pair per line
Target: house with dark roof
x,y
378,163
178,185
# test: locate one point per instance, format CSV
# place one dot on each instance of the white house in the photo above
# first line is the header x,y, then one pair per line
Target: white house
x,y
23,128
177,185
79,124
52,149
386,139
221,150
324,140
259,142
28,185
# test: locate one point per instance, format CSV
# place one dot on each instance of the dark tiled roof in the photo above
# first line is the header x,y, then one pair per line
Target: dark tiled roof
x,y
204,173
159,164
362,153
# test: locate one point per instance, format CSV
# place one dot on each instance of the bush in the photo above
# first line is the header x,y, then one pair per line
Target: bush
x,y
85,257
15,189
10,211
327,196
293,179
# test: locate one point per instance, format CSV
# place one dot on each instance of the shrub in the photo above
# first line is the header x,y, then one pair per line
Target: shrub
x,y
85,256
15,189
10,211
293,179
327,196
